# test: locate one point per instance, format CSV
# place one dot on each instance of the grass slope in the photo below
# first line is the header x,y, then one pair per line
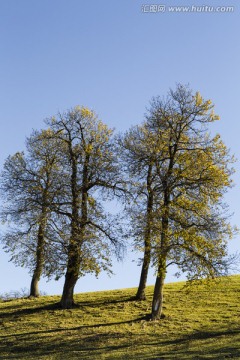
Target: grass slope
x,y
201,324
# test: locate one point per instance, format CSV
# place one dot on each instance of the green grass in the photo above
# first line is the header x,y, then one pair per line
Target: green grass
x,y
201,324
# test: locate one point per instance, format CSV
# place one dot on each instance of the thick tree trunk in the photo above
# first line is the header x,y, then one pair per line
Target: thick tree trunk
x,y
157,303
34,288
71,276
78,224
67,301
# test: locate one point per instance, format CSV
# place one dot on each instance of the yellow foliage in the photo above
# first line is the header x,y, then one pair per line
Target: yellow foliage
x,y
84,111
199,99
213,116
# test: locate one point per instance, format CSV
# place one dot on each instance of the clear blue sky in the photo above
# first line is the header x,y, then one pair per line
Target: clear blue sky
x,y
112,57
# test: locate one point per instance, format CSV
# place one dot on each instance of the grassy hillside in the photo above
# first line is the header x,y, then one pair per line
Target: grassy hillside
x,y
201,324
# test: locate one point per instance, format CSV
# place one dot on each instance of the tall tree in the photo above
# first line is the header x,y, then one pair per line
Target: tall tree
x,y
192,176
29,184
91,173
191,173
138,161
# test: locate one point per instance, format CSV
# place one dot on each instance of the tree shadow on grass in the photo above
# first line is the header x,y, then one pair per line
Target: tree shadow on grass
x,y
57,306
75,328
217,352
82,346
65,349
94,345
27,311
94,303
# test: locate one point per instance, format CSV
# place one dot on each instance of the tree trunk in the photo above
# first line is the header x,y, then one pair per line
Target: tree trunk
x,y
72,273
67,301
34,290
144,273
157,303
147,240
78,224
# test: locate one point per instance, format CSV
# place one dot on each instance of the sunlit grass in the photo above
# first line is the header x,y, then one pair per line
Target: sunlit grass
x,y
201,324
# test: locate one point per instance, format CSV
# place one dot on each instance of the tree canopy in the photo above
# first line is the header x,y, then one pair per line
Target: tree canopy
x,y
170,171
181,174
